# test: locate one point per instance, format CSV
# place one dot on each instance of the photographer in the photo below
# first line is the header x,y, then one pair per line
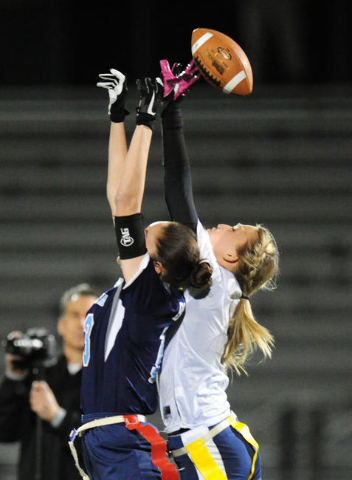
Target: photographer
x,y
40,395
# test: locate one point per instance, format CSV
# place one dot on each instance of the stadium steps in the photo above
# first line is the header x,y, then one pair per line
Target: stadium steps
x,y
281,158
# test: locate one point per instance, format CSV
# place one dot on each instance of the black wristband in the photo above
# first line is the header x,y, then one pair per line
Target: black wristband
x,y
146,119
130,236
118,116
118,111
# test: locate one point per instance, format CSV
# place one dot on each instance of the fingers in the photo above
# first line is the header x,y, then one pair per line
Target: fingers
x,y
177,69
144,86
14,364
109,78
38,386
41,394
147,85
43,401
114,74
115,79
139,84
118,74
165,68
106,85
37,394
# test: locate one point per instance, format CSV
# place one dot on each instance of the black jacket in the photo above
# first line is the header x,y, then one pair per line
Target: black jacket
x,y
19,423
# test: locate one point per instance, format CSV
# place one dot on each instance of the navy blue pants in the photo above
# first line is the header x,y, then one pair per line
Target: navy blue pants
x,y
113,452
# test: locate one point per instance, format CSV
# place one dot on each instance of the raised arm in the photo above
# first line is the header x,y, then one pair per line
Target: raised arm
x,y
127,166
115,83
117,156
129,195
177,170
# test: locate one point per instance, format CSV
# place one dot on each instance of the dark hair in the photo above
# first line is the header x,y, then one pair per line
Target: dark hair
x,y
83,289
178,251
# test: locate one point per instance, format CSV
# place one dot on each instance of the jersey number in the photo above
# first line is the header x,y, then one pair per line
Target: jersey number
x,y
88,325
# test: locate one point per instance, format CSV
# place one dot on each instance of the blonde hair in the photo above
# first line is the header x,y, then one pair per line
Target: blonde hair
x,y
256,269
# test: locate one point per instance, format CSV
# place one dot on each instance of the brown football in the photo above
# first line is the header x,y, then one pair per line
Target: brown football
x,y
221,61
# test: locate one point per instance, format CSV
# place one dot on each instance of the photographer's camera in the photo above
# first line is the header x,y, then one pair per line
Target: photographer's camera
x,y
36,347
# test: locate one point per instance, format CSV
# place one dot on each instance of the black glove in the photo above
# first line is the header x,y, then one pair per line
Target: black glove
x,y
115,83
150,100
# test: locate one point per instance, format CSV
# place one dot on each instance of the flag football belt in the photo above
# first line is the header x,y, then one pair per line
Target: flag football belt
x,y
132,422
202,459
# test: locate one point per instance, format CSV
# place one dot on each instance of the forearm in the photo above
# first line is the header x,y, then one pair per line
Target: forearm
x,y
128,201
179,196
177,171
115,83
129,196
117,156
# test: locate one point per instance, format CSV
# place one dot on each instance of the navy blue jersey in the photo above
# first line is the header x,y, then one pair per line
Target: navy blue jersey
x,y
124,381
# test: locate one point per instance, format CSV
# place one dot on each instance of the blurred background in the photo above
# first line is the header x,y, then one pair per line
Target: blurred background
x,y
280,157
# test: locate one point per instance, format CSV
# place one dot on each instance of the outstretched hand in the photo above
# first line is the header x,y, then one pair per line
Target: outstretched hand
x,y
150,100
115,83
176,81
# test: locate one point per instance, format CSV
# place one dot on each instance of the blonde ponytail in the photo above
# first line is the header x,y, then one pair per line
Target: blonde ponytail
x,y
245,335
257,268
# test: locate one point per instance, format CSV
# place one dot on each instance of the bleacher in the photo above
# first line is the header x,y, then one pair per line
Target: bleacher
x,y
282,158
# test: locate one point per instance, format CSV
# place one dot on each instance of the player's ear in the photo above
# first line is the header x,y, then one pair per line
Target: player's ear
x,y
158,267
231,257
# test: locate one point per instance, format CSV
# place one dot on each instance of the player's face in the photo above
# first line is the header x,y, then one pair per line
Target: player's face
x,y
152,234
226,239
71,324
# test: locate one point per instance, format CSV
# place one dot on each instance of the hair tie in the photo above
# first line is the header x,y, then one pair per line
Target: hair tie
x,y
205,260
245,297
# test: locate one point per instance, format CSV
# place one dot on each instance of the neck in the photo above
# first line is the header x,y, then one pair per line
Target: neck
x,y
73,355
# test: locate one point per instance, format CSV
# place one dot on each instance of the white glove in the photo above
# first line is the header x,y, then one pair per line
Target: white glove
x,y
115,83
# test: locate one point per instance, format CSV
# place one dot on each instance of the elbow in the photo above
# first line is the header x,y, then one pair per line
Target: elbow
x,y
111,200
125,205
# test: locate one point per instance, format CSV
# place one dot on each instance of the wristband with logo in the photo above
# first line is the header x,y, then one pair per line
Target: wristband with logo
x,y
130,236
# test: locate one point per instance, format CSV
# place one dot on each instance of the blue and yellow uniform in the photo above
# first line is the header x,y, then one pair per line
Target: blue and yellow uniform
x,y
205,438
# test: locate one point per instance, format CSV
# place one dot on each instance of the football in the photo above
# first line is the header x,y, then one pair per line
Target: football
x,y
221,61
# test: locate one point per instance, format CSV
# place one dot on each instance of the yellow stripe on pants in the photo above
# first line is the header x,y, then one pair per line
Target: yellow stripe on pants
x,y
243,429
204,462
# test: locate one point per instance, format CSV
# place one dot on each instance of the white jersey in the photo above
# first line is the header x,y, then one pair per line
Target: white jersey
x,y
193,382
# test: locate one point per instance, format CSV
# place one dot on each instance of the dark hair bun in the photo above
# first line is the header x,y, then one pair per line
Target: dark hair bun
x,y
201,275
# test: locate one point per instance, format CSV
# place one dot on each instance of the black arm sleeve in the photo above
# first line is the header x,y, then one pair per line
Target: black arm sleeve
x,y
179,196
177,170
